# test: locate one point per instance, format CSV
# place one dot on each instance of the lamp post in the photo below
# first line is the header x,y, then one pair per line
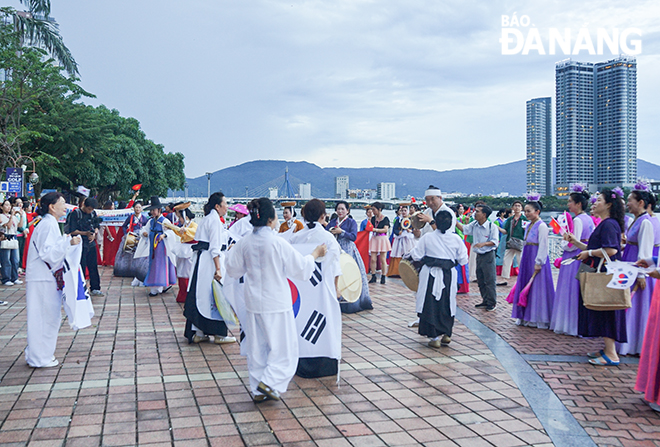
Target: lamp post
x,y
208,178
185,187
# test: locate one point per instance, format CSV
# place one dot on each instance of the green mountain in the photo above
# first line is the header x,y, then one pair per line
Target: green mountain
x,y
256,177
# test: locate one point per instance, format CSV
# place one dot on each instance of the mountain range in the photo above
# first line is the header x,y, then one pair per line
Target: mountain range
x,y
256,177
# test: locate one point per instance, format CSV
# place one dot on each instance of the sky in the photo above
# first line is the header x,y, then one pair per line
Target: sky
x,y
342,83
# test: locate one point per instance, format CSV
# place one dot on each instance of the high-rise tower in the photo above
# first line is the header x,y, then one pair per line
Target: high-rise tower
x,y
539,146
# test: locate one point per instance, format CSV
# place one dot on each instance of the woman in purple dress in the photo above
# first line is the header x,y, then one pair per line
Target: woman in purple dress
x,y
611,324
534,261
639,245
344,227
565,310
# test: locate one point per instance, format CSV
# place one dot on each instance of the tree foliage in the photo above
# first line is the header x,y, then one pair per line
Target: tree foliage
x,y
36,28
72,143
98,148
28,79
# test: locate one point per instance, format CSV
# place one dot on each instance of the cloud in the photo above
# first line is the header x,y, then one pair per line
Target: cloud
x,y
348,82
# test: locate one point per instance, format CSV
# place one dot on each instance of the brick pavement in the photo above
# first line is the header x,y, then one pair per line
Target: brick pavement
x,y
132,379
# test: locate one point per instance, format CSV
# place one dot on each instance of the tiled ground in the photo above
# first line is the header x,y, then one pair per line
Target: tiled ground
x,y
133,379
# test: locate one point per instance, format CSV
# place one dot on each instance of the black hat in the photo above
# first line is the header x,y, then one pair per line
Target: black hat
x,y
154,203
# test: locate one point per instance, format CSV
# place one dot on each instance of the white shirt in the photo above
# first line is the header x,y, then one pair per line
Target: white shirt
x,y
483,233
443,246
429,212
12,227
47,245
241,228
317,236
211,230
266,261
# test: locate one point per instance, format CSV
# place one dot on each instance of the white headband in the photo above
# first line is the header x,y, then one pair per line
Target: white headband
x,y
432,192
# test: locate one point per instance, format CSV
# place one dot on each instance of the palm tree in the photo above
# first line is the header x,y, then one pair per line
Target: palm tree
x,y
37,28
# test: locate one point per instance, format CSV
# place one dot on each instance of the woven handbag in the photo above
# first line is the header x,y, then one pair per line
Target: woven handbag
x,y
595,293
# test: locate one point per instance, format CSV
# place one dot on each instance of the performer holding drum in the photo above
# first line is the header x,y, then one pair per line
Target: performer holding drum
x,y
439,251
344,228
404,240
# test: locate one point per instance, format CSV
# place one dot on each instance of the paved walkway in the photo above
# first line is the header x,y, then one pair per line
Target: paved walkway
x,y
132,379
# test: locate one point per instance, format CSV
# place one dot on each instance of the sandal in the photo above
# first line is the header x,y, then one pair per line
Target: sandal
x,y
603,360
268,391
595,355
258,398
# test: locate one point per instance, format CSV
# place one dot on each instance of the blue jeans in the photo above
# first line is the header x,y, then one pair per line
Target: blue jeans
x,y
9,258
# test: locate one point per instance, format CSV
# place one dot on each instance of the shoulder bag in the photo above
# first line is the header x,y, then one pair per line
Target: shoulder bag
x,y
595,293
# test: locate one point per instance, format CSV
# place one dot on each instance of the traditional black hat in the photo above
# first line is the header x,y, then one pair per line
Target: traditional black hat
x,y
154,203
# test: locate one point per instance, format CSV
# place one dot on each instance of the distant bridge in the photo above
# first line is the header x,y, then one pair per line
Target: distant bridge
x,y
330,202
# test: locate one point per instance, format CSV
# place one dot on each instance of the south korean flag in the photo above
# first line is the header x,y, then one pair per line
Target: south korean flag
x,y
316,309
77,302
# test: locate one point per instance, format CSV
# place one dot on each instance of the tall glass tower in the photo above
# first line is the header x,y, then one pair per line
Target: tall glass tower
x,y
539,146
596,119
615,157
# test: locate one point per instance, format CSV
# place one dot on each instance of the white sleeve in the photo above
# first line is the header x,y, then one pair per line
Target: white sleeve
x,y
462,257
235,261
645,240
542,254
51,246
577,231
468,228
418,252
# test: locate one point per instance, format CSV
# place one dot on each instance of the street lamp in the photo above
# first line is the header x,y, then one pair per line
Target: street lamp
x,y
185,187
208,178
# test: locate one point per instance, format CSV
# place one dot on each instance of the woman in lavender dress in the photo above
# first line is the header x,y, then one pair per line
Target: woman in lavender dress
x,y
344,227
611,324
639,245
567,298
535,259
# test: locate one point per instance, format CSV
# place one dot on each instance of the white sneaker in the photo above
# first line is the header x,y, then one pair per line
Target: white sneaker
x,y
414,323
4,303
220,340
97,293
8,283
52,363
18,281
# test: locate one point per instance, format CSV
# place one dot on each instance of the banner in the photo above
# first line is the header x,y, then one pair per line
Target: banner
x,y
114,218
15,180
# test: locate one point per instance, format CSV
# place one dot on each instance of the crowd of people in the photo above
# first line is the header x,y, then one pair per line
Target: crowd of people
x,y
262,264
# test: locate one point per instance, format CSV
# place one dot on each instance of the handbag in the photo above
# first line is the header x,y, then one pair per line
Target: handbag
x,y
595,293
9,244
515,243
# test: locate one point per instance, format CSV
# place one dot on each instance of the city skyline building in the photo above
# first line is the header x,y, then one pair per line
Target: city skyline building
x,y
596,123
539,145
305,190
341,187
386,190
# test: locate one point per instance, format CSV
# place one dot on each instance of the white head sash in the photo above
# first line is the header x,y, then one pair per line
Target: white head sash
x,y
432,192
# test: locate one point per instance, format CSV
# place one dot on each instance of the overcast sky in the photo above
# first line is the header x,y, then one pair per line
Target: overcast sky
x,y
350,83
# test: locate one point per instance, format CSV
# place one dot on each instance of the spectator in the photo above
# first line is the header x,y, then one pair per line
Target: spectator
x,y
485,239
84,222
515,233
9,256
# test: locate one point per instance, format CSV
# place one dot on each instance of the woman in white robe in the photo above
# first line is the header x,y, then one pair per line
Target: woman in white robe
x,y
202,315
46,253
440,251
312,363
266,261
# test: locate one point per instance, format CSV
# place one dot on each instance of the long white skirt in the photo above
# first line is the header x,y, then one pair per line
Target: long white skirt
x,y
272,349
44,316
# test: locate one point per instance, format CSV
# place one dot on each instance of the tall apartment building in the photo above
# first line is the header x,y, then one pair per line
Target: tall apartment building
x,y
341,187
596,123
539,146
305,190
615,159
386,190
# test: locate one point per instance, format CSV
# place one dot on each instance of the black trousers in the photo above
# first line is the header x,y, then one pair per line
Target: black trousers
x,y
89,260
487,277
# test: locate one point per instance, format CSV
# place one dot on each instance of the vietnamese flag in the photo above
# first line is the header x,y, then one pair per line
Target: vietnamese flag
x,y
556,227
362,243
